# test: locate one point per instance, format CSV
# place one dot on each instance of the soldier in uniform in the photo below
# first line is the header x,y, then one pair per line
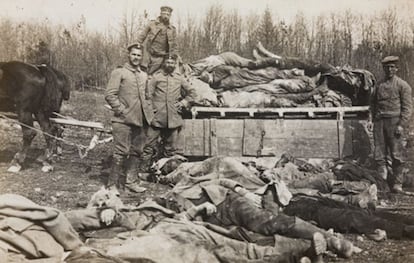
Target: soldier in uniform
x,y
170,93
391,110
159,40
125,94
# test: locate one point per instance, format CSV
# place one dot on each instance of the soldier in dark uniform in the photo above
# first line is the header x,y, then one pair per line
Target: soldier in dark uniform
x,y
125,94
391,111
170,93
159,40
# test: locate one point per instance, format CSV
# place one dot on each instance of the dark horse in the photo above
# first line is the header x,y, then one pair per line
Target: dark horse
x,y
30,90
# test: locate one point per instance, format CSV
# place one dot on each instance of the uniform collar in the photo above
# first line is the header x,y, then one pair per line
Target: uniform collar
x,y
131,68
390,79
159,22
172,74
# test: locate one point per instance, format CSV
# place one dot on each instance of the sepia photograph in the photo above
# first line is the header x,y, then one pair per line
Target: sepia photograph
x,y
178,131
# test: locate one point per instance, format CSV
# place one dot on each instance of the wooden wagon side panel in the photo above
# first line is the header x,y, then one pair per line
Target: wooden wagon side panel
x,y
355,139
303,132
195,136
301,138
226,137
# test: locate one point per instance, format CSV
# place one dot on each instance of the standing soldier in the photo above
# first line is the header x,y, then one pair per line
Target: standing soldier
x,y
159,39
391,111
125,94
170,93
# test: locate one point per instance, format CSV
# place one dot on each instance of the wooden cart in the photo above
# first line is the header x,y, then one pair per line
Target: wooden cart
x,y
303,132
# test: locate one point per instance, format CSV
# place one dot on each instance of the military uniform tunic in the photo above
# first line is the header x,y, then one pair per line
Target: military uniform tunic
x,y
391,107
159,40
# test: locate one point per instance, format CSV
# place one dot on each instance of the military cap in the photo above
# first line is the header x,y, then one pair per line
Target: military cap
x,y
166,9
171,56
390,59
134,45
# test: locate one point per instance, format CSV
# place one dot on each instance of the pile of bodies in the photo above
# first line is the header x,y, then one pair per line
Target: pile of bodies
x,y
228,80
217,210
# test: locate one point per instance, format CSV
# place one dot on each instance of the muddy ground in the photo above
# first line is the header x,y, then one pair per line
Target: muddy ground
x,y
74,179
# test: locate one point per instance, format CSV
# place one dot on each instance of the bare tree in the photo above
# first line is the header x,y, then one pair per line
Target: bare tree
x,y
338,38
266,30
212,27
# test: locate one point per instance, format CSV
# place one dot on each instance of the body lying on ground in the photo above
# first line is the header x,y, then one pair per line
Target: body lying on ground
x,y
152,228
30,231
353,219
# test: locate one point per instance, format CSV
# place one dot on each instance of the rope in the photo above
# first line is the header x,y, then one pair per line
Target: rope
x,y
93,143
82,149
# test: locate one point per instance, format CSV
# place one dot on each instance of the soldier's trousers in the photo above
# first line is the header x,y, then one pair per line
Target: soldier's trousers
x,y
387,144
236,210
343,218
127,142
170,143
154,64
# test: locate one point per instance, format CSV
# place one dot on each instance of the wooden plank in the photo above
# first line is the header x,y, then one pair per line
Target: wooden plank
x,y
345,138
280,111
193,137
302,138
229,146
229,128
301,148
206,137
10,115
362,140
85,124
213,138
229,136
300,109
354,139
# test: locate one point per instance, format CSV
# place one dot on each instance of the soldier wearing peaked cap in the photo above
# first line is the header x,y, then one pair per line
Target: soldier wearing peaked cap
x,y
390,59
125,93
391,110
159,39
170,93
166,9
134,45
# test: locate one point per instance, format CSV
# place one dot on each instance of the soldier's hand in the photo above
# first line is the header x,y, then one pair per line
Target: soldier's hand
x,y
256,199
108,216
398,131
119,112
179,106
209,208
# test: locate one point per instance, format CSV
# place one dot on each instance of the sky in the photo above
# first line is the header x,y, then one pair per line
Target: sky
x,y
101,14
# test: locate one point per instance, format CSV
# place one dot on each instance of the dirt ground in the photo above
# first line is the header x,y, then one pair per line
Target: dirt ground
x,y
74,179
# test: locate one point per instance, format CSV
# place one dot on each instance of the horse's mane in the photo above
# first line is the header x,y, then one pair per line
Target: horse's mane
x,y
56,90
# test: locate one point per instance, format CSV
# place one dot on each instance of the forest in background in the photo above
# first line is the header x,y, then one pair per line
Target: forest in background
x,y
344,38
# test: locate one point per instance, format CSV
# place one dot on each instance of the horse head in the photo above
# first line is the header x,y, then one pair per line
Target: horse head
x,y
63,84
57,88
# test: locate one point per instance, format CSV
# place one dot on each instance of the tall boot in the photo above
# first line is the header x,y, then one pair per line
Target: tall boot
x,y
382,171
117,175
395,182
145,169
303,229
131,175
131,168
263,63
366,199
